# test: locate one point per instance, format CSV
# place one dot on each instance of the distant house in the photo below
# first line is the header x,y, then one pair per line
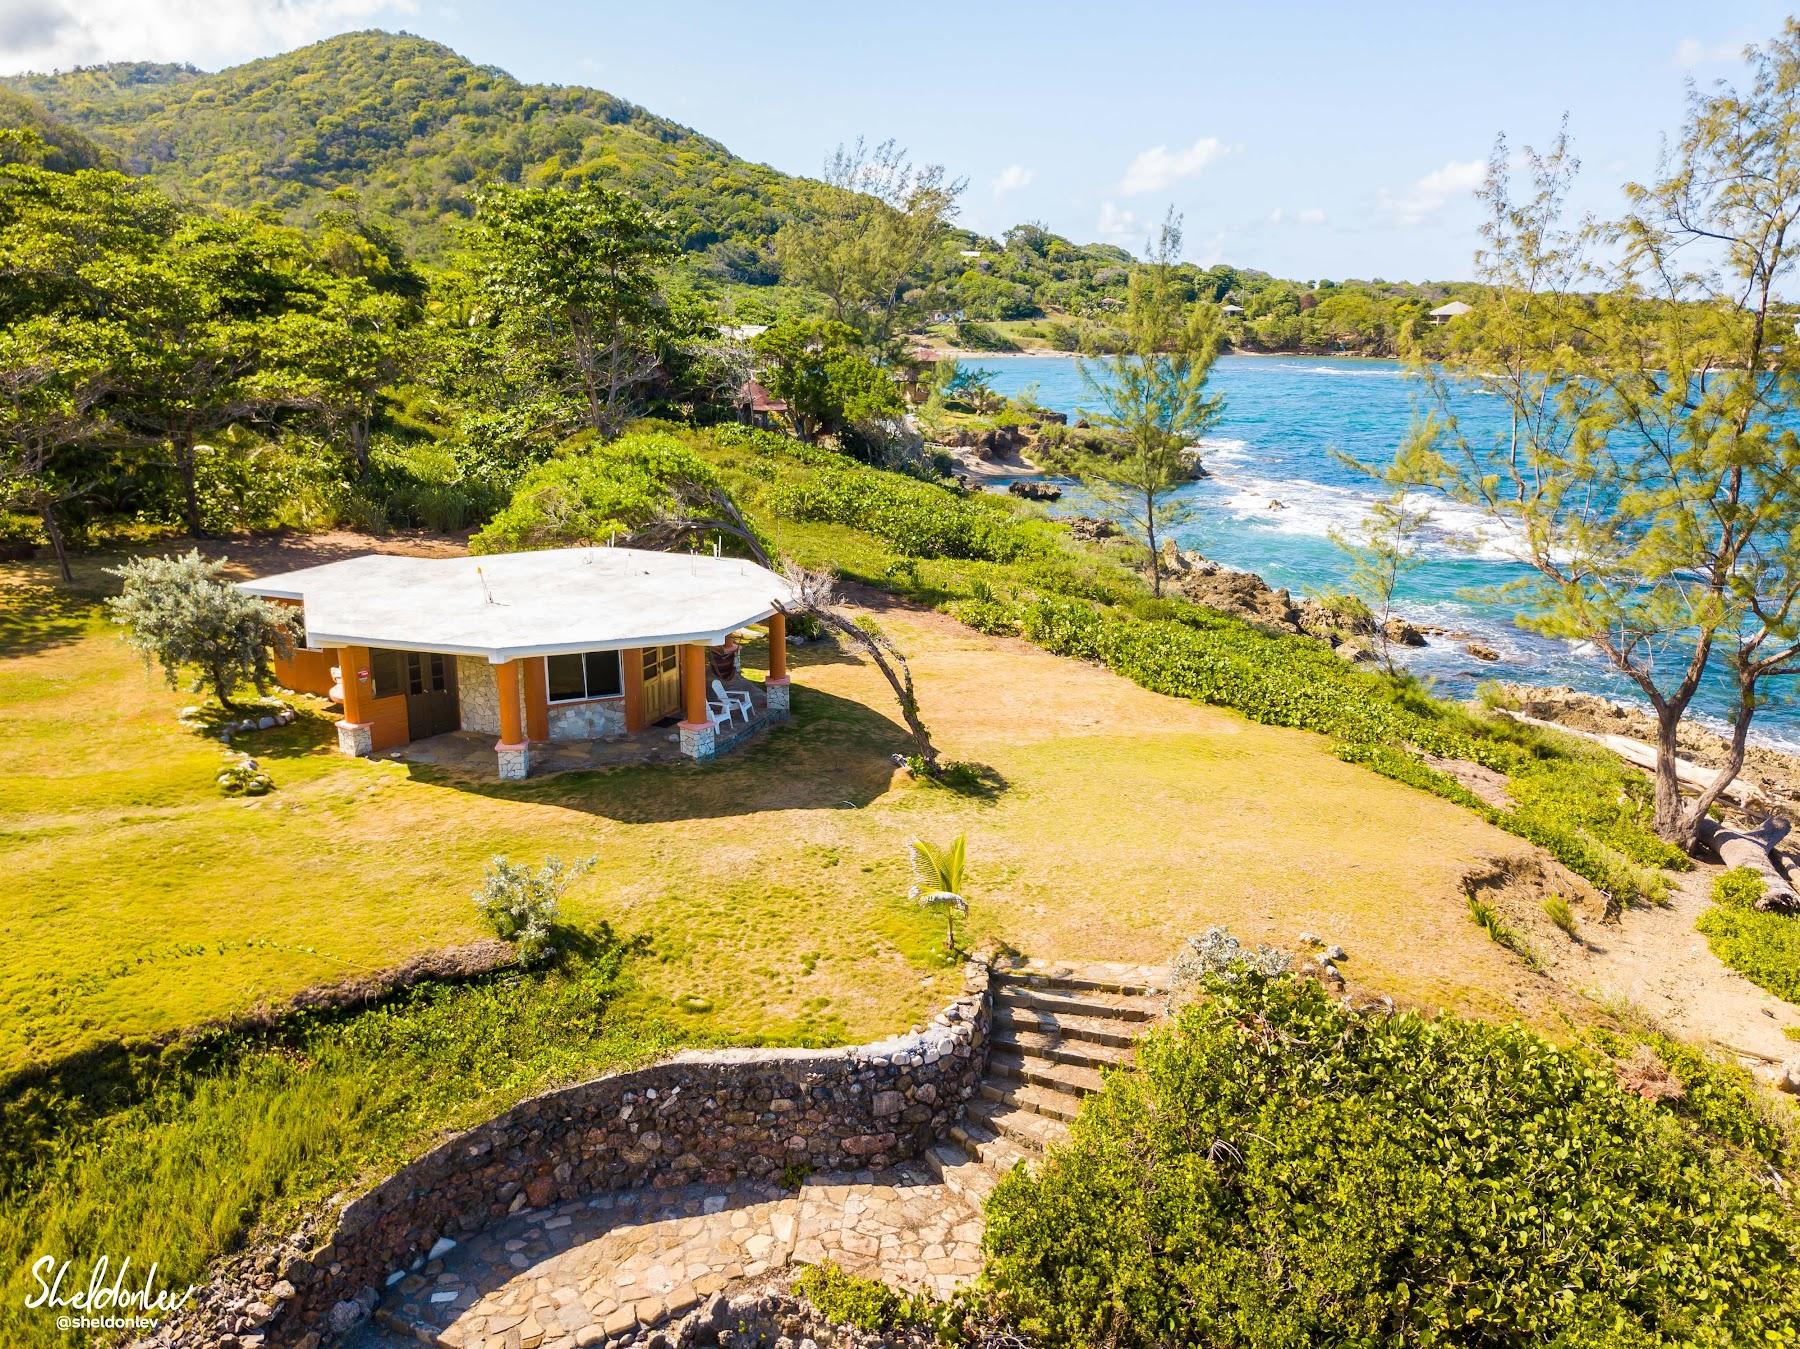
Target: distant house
x,y
758,407
743,332
1231,309
1454,310
567,644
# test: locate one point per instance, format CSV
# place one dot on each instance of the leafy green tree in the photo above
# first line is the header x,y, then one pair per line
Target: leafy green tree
x,y
54,375
1381,555
940,879
200,317
867,236
1152,398
822,370
575,279
1649,471
183,613
336,358
643,490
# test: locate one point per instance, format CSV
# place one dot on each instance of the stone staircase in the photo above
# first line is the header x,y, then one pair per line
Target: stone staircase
x,y
1057,1029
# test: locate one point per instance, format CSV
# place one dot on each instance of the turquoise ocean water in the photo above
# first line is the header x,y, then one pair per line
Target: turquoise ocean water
x,y
1284,418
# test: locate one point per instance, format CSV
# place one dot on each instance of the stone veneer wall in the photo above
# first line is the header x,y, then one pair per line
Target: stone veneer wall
x,y
478,694
596,719
708,1117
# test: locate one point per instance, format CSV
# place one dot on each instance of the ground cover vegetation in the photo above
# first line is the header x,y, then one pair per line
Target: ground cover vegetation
x,y
1762,946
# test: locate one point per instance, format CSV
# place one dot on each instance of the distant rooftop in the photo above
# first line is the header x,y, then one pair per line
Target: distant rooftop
x,y
507,605
1455,309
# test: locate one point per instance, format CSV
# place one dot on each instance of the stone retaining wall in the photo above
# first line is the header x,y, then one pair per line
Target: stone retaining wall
x,y
698,1117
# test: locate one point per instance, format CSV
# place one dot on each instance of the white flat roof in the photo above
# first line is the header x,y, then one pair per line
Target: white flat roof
x,y
507,605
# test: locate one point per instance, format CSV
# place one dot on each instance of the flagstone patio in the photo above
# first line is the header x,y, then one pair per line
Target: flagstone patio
x,y
593,1270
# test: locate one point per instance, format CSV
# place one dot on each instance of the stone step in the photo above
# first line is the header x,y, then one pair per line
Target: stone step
x,y
1029,1130
1054,1105
994,1151
1093,977
1118,1034
1064,1077
965,1177
1101,1006
1055,1049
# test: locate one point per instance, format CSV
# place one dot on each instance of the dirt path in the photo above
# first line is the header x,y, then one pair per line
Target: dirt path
x,y
1654,959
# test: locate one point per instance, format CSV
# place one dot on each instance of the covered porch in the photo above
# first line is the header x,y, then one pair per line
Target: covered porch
x,y
567,658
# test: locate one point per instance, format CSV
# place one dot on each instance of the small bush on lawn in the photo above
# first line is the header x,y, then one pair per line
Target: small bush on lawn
x,y
522,905
1284,1171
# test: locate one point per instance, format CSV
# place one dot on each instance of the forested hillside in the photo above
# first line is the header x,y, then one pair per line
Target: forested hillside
x,y
415,129
412,126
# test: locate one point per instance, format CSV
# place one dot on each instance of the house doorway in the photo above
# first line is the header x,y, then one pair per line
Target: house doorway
x,y
662,683
431,706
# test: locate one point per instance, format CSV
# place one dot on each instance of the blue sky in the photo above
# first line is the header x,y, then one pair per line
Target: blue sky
x,y
1310,140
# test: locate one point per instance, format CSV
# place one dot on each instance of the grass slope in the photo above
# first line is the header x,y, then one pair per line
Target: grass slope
x,y
772,883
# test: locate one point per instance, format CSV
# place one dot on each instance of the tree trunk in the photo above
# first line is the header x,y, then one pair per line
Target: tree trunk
x,y
1669,812
1155,556
57,543
359,445
1734,760
183,443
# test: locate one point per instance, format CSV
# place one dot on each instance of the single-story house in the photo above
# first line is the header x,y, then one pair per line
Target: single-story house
x,y
1454,310
563,644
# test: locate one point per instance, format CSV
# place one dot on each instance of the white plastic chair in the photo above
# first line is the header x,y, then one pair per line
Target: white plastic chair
x,y
734,700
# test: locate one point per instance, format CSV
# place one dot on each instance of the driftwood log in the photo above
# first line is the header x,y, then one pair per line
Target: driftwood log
x,y
1755,849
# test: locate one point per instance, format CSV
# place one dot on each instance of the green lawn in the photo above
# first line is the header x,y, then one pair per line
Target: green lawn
x,y
772,884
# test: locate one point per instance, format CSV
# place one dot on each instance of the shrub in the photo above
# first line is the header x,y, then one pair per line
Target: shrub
x,y
522,905
593,495
182,613
1490,921
919,519
1281,1170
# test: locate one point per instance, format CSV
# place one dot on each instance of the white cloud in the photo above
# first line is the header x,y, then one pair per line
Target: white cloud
x,y
1691,51
1311,215
1159,167
58,34
1435,190
1012,178
1117,226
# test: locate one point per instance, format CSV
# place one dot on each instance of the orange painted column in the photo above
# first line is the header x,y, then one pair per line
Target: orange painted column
x,y
777,646
512,750
537,699
693,683
356,734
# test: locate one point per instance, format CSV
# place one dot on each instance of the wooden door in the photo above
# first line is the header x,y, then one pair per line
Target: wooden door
x,y
431,707
662,683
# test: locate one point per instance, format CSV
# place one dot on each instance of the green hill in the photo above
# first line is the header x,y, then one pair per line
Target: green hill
x,y
414,127
64,149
